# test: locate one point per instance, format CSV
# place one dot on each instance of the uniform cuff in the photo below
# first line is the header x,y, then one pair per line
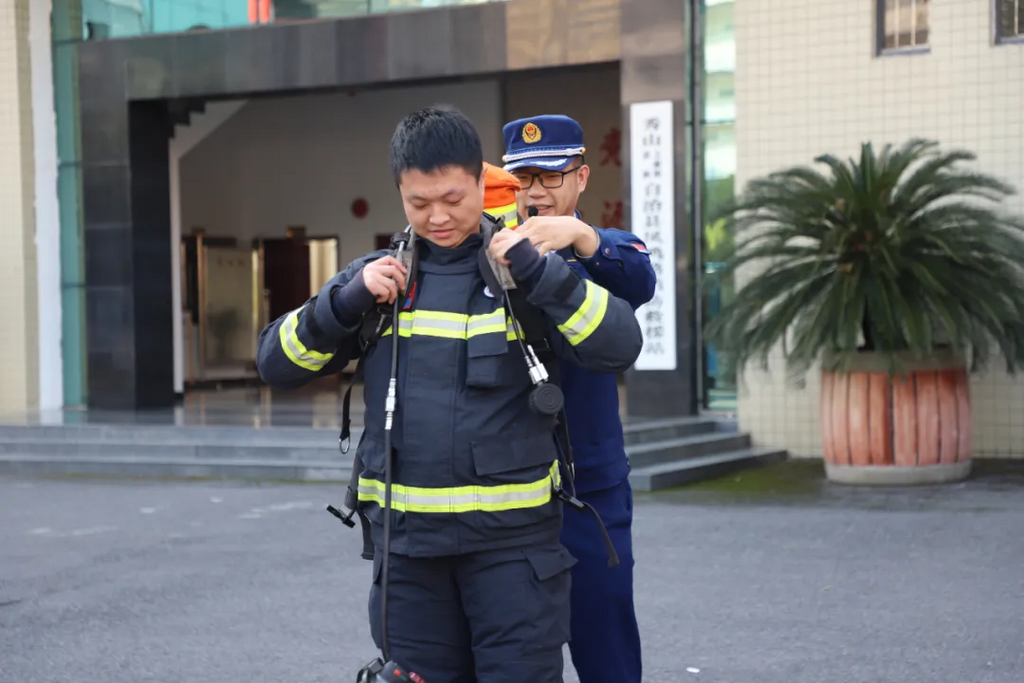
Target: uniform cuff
x,y
525,264
600,243
349,303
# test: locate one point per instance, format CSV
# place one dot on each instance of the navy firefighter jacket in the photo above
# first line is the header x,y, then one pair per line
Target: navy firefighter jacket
x,y
474,466
622,265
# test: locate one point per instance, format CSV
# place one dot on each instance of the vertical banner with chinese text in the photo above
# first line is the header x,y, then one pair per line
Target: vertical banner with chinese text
x,y
652,202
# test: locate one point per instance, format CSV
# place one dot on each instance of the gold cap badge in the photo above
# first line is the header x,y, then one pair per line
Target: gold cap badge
x,y
531,133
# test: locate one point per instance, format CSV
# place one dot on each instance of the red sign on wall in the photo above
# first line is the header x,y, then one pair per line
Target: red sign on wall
x,y
611,148
611,217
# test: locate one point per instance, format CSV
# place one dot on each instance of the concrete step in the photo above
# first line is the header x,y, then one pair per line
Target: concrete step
x,y
678,473
147,466
325,451
136,449
167,434
685,448
659,450
646,431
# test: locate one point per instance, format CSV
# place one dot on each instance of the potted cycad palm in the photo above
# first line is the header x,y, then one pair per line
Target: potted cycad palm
x,y
898,272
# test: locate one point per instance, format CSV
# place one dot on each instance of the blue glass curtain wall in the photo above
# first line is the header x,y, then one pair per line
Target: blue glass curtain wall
x,y
66,29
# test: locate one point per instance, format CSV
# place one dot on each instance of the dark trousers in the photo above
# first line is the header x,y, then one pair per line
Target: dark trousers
x,y
489,617
605,645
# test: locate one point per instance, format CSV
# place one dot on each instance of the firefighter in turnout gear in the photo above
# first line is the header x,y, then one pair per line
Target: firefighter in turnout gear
x,y
479,586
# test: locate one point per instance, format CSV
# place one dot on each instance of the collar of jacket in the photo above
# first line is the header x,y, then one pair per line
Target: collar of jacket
x,y
432,258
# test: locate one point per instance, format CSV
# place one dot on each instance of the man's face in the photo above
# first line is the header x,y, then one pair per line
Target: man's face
x,y
554,193
443,206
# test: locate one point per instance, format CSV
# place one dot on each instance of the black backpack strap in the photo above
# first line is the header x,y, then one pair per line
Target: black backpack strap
x,y
352,491
372,328
345,438
535,330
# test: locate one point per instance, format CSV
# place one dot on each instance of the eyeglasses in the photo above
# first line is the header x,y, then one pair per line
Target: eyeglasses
x,y
552,180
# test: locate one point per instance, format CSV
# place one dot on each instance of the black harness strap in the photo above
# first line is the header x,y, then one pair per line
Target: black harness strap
x,y
535,330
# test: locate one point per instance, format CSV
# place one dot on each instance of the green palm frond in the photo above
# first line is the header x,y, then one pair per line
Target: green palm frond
x,y
901,252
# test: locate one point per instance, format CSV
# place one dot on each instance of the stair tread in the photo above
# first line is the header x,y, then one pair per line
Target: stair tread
x,y
704,460
662,444
236,462
662,423
330,443
7,429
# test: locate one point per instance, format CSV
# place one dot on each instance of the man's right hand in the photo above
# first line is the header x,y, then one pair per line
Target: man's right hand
x,y
384,278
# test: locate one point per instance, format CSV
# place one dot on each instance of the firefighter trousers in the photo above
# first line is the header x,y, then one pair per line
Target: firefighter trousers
x,y
497,616
605,642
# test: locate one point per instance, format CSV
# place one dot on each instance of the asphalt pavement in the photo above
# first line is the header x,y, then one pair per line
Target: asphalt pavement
x,y
126,581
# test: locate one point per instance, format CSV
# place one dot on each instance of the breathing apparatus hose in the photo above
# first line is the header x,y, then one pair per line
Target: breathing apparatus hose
x,y
389,406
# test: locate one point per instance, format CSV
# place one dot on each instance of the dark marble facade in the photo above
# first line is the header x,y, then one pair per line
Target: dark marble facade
x,y
131,92
654,66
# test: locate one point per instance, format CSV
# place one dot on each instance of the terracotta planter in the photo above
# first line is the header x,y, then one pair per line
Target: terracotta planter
x,y
908,429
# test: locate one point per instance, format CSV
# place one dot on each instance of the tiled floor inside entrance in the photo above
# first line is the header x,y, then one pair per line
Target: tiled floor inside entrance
x,y
317,406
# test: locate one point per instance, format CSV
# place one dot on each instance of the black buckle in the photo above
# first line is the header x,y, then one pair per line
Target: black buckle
x,y
345,519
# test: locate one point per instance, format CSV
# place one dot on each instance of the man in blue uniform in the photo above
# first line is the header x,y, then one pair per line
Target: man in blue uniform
x,y
479,584
546,154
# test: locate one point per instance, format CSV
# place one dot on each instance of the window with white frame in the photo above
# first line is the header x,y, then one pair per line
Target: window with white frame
x,y
902,24
1009,20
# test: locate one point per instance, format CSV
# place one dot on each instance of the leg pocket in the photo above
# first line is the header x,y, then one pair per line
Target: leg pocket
x,y
550,590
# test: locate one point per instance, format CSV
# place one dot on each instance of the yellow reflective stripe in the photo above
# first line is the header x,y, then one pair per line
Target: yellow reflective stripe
x,y
509,213
588,316
449,325
488,323
510,334
463,498
296,351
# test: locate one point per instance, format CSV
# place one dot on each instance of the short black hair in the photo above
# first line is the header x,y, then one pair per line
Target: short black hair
x,y
433,138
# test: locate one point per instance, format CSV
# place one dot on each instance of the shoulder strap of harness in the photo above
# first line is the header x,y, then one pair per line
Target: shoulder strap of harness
x,y
535,330
375,322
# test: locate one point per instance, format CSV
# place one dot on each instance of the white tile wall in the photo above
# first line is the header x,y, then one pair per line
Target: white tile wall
x,y
808,82
19,383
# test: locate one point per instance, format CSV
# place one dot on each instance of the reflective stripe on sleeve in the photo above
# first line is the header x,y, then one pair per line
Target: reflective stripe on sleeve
x,y
463,498
314,361
588,316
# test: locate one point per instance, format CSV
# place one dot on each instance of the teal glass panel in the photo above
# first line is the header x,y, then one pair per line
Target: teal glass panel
x,y
65,96
719,166
72,257
102,19
66,29
66,20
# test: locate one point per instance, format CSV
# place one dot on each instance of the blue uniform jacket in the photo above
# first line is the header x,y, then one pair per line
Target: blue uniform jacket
x,y
621,265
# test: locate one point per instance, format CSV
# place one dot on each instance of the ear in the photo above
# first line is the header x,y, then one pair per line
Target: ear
x,y
584,176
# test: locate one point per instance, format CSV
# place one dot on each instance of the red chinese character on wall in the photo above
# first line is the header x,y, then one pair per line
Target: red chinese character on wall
x,y
611,147
612,215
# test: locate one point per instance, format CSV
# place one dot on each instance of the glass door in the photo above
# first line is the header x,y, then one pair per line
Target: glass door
x,y
718,165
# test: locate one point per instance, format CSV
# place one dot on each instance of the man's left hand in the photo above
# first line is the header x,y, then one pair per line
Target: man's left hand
x,y
502,241
551,233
